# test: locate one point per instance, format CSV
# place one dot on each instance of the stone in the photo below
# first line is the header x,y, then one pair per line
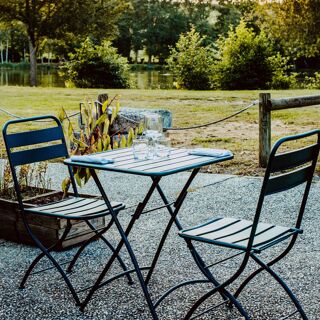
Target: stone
x,y
131,117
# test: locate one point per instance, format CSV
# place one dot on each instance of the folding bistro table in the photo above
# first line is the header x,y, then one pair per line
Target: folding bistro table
x,y
179,160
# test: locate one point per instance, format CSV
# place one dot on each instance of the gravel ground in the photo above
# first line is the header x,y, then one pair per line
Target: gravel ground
x,y
46,297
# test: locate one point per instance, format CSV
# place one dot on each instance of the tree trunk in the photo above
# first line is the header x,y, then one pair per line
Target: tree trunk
x,y
33,64
7,51
136,56
1,48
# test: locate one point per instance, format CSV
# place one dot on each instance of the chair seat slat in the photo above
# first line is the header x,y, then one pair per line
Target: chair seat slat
x,y
210,226
236,234
39,154
268,236
34,137
79,204
229,230
59,204
245,234
98,205
76,211
271,235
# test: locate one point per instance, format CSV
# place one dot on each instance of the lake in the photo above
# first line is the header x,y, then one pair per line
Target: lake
x,y
146,79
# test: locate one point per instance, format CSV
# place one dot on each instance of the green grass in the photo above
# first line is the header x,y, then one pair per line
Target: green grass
x,y
239,134
199,141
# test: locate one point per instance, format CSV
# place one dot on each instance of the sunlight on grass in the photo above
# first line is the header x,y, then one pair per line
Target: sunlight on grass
x,y
239,134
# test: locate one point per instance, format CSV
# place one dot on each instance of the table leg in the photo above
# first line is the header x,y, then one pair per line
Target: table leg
x,y
173,218
124,240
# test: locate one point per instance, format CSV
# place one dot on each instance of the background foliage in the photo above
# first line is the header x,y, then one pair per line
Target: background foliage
x,y
247,60
97,66
192,62
145,30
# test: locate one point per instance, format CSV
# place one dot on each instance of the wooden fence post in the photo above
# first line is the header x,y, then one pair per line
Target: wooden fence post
x,y
101,98
264,129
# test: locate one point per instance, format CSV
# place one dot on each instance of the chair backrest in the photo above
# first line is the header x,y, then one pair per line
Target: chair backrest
x,y
29,146
286,170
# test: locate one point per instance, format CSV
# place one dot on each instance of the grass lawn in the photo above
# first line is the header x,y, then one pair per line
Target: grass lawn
x,y
239,134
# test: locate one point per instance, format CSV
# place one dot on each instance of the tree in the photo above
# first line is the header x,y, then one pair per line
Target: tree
x,y
52,19
202,15
294,24
165,21
191,62
131,27
13,42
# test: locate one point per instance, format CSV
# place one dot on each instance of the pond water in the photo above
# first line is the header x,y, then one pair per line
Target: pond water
x,y
147,79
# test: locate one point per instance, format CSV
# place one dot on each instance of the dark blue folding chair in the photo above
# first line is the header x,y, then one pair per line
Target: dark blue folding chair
x,y
42,145
285,170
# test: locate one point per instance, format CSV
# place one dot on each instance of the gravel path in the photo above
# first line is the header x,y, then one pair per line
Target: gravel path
x,y
46,297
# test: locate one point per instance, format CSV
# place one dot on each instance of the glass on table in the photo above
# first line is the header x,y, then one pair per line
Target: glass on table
x,y
152,130
152,126
162,147
140,148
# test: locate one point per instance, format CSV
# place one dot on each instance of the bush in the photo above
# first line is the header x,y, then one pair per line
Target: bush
x,y
243,60
280,79
191,62
312,82
247,61
97,66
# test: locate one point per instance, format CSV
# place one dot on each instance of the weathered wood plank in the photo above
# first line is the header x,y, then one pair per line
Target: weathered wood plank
x,y
295,102
264,129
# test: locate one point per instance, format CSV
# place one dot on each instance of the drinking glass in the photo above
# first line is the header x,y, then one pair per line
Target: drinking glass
x,y
162,147
140,148
152,125
152,130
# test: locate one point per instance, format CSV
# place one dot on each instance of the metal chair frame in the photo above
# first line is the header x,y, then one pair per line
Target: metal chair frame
x,y
18,158
284,171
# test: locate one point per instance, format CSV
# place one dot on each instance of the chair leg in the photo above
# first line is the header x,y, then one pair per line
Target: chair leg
x,y
256,272
283,285
46,252
99,235
43,254
208,295
81,248
225,294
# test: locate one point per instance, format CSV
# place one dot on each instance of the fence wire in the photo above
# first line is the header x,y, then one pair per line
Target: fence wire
x,y
253,103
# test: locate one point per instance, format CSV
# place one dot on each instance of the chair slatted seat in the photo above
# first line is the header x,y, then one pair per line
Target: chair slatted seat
x,y
48,144
75,208
285,170
235,233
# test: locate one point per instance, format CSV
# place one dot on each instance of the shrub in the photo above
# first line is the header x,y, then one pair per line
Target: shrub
x,y
312,82
280,79
243,60
97,66
191,62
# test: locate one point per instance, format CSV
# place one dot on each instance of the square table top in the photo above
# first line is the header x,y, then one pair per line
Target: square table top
x,y
178,161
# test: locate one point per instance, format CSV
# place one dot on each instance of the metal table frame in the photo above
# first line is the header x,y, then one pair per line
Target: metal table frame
x,y
179,161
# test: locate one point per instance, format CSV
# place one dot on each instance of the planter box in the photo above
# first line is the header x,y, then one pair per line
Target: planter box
x,y
47,229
